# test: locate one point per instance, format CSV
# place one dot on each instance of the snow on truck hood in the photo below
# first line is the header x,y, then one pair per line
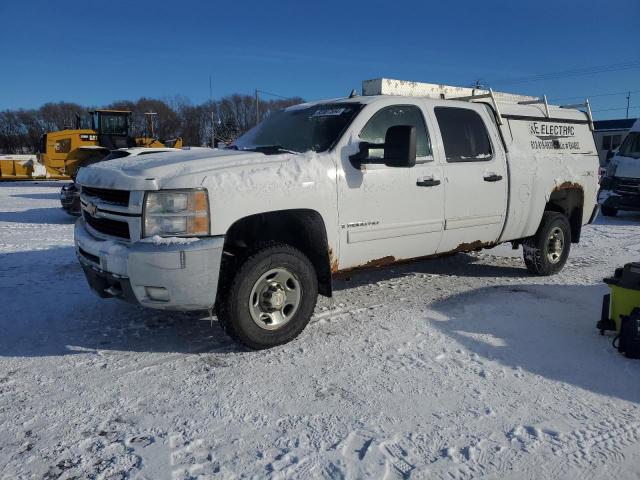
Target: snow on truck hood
x,y
154,171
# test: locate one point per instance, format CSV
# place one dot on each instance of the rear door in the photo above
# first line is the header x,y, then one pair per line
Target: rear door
x,y
475,174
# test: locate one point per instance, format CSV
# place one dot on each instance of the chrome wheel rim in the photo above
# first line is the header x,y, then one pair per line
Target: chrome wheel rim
x,y
555,245
275,299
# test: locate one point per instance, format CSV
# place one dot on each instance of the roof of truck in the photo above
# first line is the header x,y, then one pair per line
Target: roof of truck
x,y
504,103
512,105
509,109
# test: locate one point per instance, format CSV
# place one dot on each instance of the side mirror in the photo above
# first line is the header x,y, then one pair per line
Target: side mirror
x,y
610,155
400,146
399,149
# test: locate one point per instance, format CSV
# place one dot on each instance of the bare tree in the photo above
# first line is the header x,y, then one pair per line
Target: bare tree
x,y
228,117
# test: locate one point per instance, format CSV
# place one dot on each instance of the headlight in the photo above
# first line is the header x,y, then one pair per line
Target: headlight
x,y
183,213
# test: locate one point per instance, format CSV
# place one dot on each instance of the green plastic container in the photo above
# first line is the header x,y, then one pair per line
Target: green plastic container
x,y
624,296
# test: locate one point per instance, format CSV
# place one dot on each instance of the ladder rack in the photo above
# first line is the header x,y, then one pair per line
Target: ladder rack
x,y
542,100
587,106
389,86
472,97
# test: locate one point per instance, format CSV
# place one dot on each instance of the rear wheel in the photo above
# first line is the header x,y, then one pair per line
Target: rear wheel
x,y
547,251
269,299
608,211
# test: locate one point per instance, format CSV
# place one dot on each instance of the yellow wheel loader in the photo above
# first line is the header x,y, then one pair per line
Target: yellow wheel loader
x,y
63,152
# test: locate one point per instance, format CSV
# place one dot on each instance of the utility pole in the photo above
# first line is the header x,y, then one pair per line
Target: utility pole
x,y
628,100
150,127
257,108
213,127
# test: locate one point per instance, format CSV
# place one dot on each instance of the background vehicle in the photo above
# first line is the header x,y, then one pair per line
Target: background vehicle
x,y
404,172
20,167
620,187
63,152
70,193
608,136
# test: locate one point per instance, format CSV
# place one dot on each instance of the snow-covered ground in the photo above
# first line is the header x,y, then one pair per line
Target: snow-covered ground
x,y
461,367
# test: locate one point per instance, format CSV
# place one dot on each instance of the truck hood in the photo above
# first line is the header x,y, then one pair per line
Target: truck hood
x,y
627,167
154,171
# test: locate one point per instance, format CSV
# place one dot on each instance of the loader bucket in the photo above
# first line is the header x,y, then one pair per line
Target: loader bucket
x,y
12,169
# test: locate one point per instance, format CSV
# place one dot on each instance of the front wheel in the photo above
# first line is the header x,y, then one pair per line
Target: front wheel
x,y
547,251
269,299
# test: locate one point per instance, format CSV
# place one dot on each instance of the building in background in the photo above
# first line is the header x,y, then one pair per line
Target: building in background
x,y
608,135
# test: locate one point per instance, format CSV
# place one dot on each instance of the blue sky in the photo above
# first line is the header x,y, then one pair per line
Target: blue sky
x,y
97,52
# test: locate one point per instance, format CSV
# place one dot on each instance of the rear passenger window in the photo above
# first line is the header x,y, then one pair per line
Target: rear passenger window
x,y
376,128
464,135
606,142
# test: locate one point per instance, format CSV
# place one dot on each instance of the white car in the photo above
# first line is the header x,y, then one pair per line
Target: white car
x,y
321,189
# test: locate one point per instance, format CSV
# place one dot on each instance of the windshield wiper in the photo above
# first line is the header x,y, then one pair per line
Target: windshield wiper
x,y
270,149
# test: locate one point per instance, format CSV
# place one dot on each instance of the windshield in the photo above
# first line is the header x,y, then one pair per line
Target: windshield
x,y
631,146
301,129
114,124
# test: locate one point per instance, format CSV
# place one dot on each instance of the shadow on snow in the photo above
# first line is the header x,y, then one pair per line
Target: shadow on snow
x,y
38,196
548,330
455,265
48,309
49,215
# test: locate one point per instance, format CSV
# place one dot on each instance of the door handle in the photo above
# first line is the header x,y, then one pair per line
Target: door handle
x,y
492,178
427,182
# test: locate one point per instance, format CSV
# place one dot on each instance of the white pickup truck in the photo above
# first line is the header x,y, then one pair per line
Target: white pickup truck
x,y
402,172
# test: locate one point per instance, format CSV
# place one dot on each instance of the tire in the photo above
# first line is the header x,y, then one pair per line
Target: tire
x,y
608,211
547,251
268,297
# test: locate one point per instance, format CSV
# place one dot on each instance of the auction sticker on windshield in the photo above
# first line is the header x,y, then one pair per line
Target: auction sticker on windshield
x,y
331,112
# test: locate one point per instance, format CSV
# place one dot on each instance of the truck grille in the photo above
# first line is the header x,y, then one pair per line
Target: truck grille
x,y
115,197
108,226
626,186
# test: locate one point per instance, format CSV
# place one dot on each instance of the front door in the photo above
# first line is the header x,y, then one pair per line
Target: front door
x,y
475,173
387,214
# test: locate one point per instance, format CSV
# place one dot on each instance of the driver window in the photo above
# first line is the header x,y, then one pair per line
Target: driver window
x,y
376,128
